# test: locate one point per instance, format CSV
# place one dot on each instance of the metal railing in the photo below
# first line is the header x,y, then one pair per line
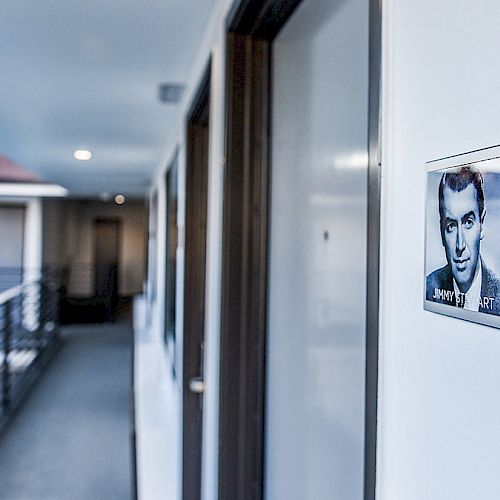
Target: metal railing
x,y
29,321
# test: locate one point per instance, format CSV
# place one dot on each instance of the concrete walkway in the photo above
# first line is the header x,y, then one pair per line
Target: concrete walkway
x,y
70,439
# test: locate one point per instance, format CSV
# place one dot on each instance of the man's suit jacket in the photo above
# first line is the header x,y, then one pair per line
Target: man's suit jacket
x,y
443,280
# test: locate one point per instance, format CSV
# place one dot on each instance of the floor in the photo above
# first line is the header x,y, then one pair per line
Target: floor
x,y
70,440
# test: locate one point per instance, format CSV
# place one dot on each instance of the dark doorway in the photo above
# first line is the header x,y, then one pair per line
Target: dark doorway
x,y
194,291
107,250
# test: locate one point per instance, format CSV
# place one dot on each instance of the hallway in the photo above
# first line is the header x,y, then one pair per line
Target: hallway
x,y
71,437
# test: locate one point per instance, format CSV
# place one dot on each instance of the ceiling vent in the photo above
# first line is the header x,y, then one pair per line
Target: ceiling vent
x,y
171,93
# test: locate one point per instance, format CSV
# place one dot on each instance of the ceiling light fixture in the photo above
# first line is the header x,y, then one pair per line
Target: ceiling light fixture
x,y
119,199
82,154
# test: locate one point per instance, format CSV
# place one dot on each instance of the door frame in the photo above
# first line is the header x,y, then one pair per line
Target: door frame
x,y
172,231
251,27
197,144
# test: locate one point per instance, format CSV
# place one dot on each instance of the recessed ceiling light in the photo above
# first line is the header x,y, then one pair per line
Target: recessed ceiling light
x,y
119,199
82,154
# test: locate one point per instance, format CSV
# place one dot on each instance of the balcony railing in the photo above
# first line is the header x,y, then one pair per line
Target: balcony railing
x,y
29,321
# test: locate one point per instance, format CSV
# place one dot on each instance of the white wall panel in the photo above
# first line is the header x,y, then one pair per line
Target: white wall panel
x,y
439,386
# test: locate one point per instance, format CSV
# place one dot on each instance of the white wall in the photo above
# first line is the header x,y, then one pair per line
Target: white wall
x,y
439,401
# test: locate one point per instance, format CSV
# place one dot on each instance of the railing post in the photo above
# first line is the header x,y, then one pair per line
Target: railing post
x,y
6,333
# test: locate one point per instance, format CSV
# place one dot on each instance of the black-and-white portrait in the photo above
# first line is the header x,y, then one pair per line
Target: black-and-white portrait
x,y
463,237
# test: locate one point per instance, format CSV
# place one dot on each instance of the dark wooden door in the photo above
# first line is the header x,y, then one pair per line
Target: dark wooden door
x,y
107,251
194,292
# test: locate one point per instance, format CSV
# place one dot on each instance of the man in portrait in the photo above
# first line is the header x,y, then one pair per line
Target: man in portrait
x,y
465,281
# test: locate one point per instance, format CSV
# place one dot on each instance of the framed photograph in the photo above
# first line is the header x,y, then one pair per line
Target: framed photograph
x,y
462,243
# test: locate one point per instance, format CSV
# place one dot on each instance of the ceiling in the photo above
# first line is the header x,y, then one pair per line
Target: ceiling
x,y
84,75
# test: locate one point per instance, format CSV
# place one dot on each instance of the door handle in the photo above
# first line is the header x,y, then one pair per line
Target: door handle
x,y
196,385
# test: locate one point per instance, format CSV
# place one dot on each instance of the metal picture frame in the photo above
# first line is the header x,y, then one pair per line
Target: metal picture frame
x,y
461,255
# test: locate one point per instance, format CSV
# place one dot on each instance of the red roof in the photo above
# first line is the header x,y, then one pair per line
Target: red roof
x,y
12,172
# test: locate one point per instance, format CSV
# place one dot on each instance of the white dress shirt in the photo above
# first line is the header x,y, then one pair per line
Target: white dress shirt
x,y
473,294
